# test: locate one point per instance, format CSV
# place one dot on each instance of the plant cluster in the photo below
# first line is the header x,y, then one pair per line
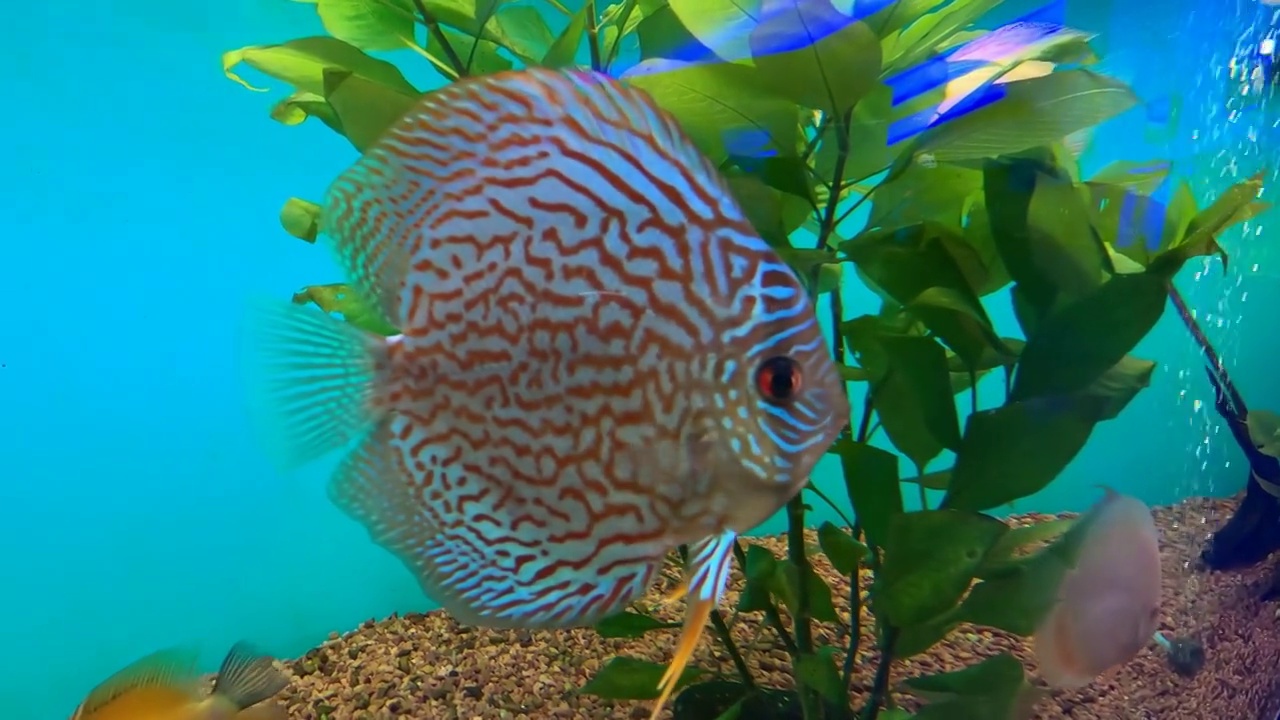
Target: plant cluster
x,y
990,200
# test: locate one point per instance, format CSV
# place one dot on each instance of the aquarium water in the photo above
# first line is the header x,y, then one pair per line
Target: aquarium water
x,y
141,191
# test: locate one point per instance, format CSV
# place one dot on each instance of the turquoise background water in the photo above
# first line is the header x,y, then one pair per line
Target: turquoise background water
x,y
140,204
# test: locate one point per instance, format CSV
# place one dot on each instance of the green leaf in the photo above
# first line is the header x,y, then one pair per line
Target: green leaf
x,y
481,56
930,559
1019,537
341,299
814,268
713,102
364,108
1120,384
1041,228
630,625
818,671
1016,450
1075,345
869,151
369,24
761,567
301,219
564,51
627,678
871,479
922,38
1140,177
938,193
837,64
774,214
842,549
927,268
524,31
1032,113
723,26
995,688
303,62
785,585
1235,205
938,480
910,387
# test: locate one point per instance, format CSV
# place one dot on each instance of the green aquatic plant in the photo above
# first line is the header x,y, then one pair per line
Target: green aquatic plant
x,y
992,200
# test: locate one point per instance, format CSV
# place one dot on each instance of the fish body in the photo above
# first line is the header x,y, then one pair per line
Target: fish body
x,y
165,686
599,359
1109,603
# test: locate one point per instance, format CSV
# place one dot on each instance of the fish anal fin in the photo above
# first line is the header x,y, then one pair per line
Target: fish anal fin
x,y
172,667
705,579
247,677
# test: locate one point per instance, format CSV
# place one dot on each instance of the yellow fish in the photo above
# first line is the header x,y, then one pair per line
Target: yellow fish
x,y
165,686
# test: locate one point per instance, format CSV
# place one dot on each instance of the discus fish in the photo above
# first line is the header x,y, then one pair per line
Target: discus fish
x,y
1109,604
165,686
598,358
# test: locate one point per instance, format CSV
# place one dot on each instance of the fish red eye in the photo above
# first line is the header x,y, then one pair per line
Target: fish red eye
x,y
779,379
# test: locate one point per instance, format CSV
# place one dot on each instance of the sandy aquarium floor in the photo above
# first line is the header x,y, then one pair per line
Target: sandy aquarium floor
x,y
428,667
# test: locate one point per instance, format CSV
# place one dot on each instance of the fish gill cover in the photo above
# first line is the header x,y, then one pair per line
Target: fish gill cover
x,y
806,108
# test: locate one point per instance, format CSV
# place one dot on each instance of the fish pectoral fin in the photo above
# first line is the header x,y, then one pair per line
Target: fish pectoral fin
x,y
247,677
706,577
169,668
314,380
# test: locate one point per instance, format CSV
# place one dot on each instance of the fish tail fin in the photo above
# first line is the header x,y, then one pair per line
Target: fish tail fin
x,y
315,381
247,677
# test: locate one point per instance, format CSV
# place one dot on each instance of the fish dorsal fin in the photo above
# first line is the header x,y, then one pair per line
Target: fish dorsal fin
x,y
169,667
247,677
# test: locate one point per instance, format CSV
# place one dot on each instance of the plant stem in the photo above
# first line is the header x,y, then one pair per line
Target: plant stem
x,y
726,638
771,610
722,629
855,616
828,223
803,624
880,687
593,36
433,27
621,22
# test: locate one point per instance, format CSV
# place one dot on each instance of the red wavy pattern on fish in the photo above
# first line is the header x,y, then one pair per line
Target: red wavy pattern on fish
x,y
581,296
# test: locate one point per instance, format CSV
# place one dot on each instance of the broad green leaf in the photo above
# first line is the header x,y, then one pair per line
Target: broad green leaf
x,y
628,678
1141,177
1235,205
713,102
921,39
993,689
814,268
774,214
761,567
525,32
937,480
1132,223
301,219
930,559
369,24
910,387
871,479
342,299
893,17
978,235
841,548
1120,384
481,57
939,194
1032,113
1041,229
785,585
564,51
869,152
958,321
721,25
1016,450
364,108
818,672
812,54
630,625
661,34
299,106
303,62
1020,537
1075,345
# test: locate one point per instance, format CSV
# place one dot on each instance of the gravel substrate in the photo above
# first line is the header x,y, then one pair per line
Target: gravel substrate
x,y
429,667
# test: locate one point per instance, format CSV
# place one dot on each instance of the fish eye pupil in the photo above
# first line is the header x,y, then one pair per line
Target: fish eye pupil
x,y
778,379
